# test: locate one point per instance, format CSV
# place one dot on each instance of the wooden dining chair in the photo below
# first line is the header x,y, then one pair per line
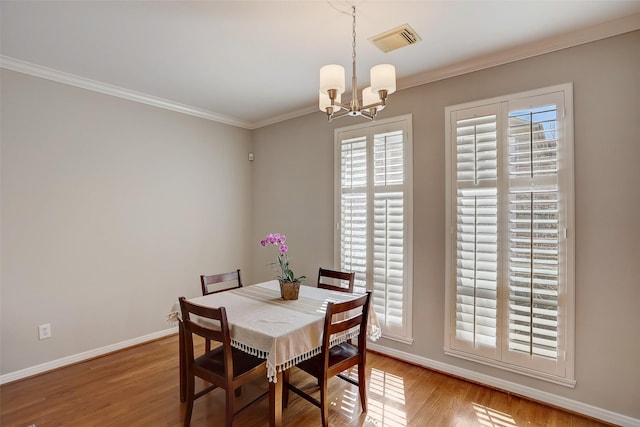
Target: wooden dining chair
x,y
333,360
341,281
225,367
226,282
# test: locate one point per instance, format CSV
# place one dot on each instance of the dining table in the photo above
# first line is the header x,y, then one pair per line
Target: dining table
x,y
283,332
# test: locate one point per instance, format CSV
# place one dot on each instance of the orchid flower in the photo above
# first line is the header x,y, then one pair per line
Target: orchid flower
x,y
282,264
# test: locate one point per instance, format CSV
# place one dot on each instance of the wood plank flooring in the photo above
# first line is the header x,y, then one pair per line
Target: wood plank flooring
x,y
139,387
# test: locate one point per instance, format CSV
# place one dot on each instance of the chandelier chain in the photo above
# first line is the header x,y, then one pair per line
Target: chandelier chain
x,y
353,34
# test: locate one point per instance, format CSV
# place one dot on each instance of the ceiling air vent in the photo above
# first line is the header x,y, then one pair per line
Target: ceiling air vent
x,y
396,38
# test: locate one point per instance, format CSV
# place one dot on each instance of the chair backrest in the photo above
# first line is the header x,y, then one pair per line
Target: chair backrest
x,y
212,326
344,316
336,280
226,281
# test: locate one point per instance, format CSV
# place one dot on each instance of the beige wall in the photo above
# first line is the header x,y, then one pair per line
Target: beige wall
x,y
293,194
606,77
110,210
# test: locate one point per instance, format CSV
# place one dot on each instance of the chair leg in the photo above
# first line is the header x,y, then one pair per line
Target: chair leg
x,y
228,416
182,363
190,386
285,388
362,387
324,407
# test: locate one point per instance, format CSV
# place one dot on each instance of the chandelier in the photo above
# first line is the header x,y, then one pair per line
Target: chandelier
x,y
374,97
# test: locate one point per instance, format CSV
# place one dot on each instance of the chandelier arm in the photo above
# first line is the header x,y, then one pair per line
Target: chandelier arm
x,y
374,105
329,111
339,114
367,115
383,101
337,105
362,113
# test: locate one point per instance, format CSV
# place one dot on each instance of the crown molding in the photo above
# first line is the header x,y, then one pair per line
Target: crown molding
x,y
35,70
540,47
287,116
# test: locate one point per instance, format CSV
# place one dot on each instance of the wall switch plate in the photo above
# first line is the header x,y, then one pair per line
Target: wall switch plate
x,y
44,331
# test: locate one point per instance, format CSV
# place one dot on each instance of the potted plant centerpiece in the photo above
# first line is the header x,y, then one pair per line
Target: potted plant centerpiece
x,y
289,283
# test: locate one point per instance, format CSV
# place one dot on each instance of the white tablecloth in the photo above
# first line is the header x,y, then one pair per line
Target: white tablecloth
x,y
282,332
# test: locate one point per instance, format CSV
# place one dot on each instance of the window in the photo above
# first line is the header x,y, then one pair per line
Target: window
x,y
509,276
374,217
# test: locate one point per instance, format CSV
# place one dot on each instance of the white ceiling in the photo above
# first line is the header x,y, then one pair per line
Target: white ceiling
x,y
252,63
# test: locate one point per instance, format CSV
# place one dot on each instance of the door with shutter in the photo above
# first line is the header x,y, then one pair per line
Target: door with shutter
x,y
509,261
374,217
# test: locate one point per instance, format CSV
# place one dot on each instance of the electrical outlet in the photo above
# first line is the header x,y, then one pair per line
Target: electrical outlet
x,y
44,331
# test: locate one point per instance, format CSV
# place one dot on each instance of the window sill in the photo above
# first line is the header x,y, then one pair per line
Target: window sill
x,y
397,338
563,381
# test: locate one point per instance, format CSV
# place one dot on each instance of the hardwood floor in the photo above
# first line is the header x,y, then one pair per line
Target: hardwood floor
x,y
139,387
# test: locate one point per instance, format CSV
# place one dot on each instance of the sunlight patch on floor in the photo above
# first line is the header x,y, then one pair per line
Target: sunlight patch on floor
x,y
386,400
349,401
488,417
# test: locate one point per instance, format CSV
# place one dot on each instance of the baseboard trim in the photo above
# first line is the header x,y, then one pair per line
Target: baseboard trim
x,y
508,386
531,393
81,357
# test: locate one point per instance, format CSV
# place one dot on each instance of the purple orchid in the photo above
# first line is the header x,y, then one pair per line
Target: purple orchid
x,y
282,265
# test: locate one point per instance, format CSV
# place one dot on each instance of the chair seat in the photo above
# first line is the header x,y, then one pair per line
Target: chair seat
x,y
337,354
213,361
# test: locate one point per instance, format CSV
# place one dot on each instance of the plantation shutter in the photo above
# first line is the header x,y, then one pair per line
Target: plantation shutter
x,y
476,231
534,233
388,227
353,209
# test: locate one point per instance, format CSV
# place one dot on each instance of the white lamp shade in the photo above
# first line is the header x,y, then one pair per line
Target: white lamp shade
x,y
325,101
383,77
368,97
332,77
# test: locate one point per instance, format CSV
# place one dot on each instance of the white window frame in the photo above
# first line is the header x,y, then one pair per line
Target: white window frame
x,y
562,370
403,333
